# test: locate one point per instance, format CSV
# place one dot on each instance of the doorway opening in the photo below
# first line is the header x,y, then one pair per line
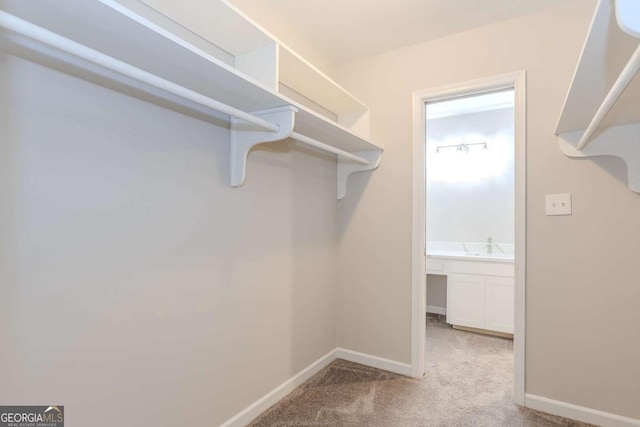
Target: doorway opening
x,y
469,219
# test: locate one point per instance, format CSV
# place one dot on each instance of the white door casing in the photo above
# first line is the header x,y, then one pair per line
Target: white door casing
x,y
517,82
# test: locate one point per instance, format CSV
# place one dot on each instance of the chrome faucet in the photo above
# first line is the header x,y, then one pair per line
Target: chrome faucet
x,y
489,245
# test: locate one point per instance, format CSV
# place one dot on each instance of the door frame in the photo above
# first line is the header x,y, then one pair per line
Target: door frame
x,y
517,82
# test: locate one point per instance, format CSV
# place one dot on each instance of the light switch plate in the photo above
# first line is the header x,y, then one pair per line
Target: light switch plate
x,y
559,204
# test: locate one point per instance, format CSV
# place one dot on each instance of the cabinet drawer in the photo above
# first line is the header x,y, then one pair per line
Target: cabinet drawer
x,y
504,269
435,266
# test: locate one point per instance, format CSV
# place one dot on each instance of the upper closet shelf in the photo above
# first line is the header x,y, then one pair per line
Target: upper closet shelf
x,y
601,114
231,71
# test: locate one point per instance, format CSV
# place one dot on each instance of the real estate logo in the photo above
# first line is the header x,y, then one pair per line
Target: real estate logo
x,y
32,416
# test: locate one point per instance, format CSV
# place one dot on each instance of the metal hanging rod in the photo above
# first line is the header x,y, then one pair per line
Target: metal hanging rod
x,y
623,80
330,148
461,146
51,39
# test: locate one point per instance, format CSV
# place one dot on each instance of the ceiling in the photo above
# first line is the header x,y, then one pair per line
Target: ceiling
x,y
348,29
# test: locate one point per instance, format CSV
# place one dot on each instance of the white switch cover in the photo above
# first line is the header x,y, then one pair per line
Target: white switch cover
x,y
559,204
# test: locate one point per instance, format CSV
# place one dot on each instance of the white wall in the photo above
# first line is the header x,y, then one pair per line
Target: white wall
x,y
582,270
472,210
135,283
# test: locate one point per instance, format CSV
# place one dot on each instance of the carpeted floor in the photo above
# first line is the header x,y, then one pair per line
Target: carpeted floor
x,y
468,383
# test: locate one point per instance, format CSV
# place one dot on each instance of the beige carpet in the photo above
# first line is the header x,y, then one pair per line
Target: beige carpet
x,y
468,383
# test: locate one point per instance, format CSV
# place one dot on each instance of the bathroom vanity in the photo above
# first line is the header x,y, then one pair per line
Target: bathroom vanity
x,y
480,288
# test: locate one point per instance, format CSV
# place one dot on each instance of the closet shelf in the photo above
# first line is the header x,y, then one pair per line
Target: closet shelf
x,y
601,114
128,46
248,49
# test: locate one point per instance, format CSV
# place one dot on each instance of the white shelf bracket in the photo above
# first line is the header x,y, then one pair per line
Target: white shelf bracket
x,y
620,141
245,136
347,167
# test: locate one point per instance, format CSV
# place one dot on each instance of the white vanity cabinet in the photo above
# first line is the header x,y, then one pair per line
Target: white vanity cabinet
x,y
483,302
480,291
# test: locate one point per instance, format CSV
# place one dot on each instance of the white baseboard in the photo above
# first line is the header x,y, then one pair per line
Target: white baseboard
x,y
274,396
252,411
437,310
579,413
374,361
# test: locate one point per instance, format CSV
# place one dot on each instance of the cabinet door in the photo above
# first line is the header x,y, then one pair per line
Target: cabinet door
x,y
500,304
466,300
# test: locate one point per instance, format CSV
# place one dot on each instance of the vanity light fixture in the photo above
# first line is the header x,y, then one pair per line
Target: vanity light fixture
x,y
462,147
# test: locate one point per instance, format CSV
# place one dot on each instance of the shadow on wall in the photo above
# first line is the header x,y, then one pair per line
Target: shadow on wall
x,y
356,187
9,217
164,286
313,243
614,166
